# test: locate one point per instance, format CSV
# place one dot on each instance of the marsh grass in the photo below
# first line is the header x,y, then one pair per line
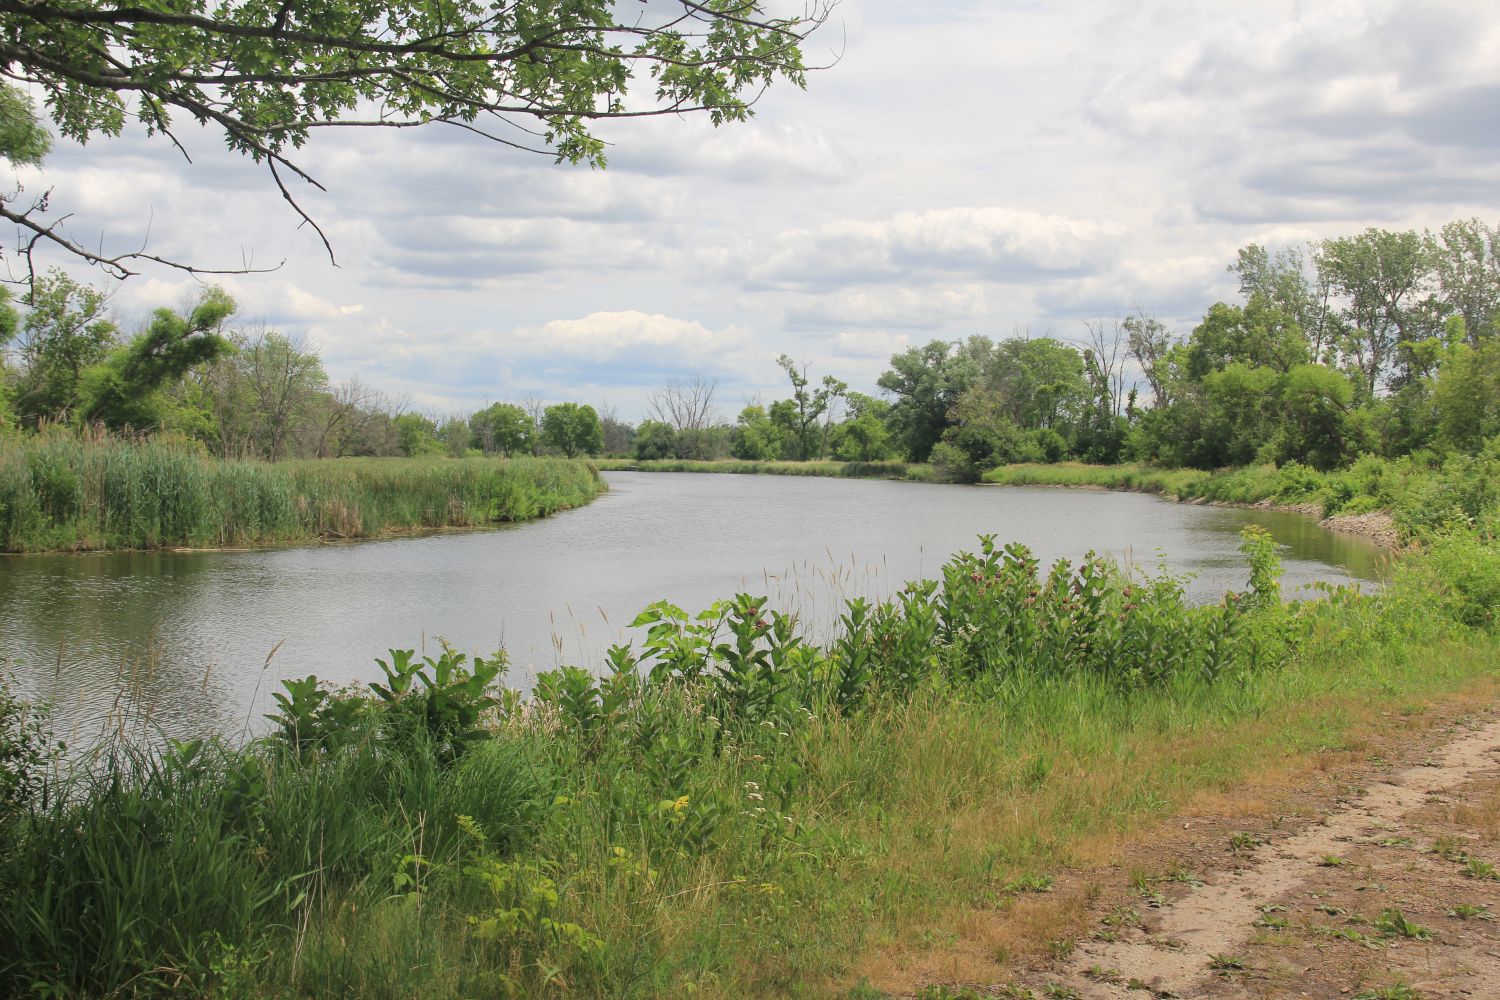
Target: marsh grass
x,y
62,491
914,471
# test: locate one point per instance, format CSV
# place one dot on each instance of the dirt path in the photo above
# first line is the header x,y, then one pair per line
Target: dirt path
x,y
1384,896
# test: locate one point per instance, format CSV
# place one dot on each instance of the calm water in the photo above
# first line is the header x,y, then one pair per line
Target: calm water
x,y
201,639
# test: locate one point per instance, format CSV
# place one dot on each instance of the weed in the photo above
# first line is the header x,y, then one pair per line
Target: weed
x,y
1332,861
1396,991
1028,883
1182,873
1393,923
1450,848
1226,963
1241,841
1476,868
942,992
1469,911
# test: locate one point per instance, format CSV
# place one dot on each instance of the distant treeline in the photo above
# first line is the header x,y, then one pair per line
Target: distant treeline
x,y
1379,343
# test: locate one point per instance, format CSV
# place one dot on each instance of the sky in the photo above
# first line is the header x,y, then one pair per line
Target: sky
x,y
961,168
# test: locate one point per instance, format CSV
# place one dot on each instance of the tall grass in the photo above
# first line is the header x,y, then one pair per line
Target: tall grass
x,y
846,470
60,491
730,811
1126,476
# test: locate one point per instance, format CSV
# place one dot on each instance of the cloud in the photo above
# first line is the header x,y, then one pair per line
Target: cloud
x,y
888,306
754,153
994,243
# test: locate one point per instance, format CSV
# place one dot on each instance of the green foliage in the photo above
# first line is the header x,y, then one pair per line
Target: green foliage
x,y
572,429
655,440
66,332
264,76
22,140
124,391
27,753
725,772
503,428
417,435
755,438
60,491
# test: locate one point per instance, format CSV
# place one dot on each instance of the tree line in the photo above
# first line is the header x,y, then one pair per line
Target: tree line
x,y
1376,343
244,392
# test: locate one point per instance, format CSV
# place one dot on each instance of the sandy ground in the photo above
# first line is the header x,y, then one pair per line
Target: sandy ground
x,y
1373,873
1390,889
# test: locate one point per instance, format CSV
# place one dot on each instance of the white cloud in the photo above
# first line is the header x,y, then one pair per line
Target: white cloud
x,y
890,306
996,243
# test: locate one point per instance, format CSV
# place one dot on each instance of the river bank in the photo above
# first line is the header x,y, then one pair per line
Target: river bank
x,y
1296,490
912,471
731,811
63,493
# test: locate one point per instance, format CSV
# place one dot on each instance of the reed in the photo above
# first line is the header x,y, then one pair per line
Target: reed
x,y
66,492
828,469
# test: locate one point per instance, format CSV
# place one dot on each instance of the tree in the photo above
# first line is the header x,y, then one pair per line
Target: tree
x,y
455,437
125,390
755,438
1039,381
67,330
810,404
264,394
418,435
1384,279
1148,341
1319,426
1257,335
685,404
619,435
572,429
1280,282
502,428
1468,395
925,383
1467,257
267,75
655,440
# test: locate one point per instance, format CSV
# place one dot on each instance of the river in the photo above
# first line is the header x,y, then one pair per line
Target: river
x,y
199,640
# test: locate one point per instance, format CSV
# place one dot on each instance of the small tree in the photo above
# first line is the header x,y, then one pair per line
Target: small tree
x,y
572,429
754,437
125,390
503,428
810,404
67,330
655,440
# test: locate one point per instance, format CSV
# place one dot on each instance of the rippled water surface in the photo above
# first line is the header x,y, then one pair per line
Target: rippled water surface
x,y
200,639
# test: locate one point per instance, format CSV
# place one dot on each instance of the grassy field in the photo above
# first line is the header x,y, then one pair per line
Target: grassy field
x,y
848,470
60,492
729,812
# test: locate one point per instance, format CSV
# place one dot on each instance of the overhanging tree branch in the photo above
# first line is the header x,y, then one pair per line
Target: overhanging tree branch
x,y
267,74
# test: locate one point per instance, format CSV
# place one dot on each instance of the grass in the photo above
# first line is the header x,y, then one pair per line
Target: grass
x,y
1125,476
847,470
62,492
731,812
